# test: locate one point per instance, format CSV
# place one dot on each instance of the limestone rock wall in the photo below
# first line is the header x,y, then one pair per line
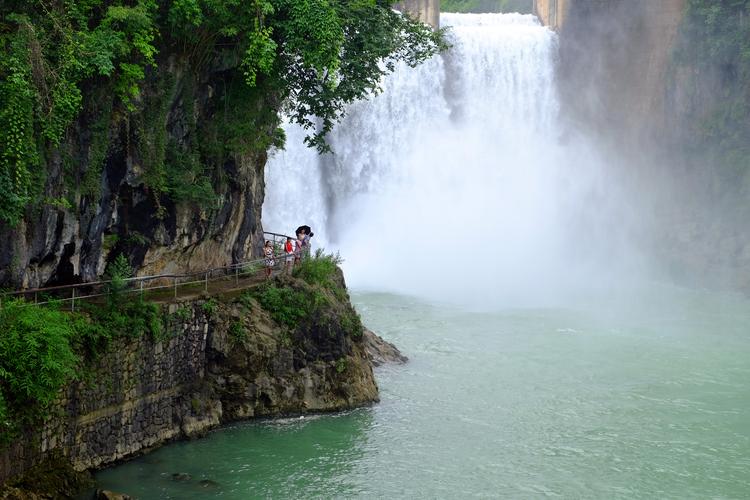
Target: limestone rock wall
x,y
140,394
63,244
144,392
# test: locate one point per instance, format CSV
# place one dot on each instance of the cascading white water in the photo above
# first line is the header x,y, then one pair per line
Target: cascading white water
x,y
453,183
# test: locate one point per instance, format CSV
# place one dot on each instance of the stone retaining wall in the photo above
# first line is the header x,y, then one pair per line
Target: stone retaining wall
x,y
141,394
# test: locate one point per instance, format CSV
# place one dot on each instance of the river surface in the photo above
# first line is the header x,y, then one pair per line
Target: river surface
x,y
637,394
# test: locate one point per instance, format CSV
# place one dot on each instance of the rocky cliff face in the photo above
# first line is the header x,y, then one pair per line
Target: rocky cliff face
x,y
121,164
222,360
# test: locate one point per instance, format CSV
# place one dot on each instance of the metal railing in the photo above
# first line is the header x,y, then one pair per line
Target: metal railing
x,y
200,282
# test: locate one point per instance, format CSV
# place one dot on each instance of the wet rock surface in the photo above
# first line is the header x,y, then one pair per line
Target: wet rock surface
x,y
380,351
279,371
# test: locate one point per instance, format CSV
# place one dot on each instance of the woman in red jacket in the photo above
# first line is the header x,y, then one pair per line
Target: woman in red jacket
x,y
289,251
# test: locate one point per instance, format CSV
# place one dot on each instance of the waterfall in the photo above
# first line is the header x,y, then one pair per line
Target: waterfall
x,y
457,182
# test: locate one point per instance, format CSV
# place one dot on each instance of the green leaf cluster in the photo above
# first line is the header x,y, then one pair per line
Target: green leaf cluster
x,y
319,55
321,303
36,357
42,348
49,49
320,269
286,305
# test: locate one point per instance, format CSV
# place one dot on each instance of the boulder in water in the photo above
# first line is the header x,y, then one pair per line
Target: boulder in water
x,y
110,495
208,484
380,351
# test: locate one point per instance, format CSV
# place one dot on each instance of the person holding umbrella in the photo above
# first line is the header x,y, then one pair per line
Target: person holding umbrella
x,y
298,249
306,233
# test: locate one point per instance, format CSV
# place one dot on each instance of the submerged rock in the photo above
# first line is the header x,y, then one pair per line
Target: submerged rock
x,y
110,495
380,351
181,476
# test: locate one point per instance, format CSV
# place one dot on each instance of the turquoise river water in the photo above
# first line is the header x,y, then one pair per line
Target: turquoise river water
x,y
637,395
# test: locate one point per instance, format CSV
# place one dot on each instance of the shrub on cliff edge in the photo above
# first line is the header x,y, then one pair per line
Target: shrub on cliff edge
x,y
321,269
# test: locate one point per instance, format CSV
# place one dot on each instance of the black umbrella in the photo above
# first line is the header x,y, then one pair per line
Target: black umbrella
x,y
304,230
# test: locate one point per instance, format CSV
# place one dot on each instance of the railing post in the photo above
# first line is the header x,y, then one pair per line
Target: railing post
x,y
175,287
141,288
205,287
237,275
73,301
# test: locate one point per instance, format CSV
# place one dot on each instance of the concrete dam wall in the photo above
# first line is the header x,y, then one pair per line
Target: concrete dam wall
x,y
427,11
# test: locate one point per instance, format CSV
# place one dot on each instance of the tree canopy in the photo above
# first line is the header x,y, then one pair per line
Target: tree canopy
x,y
314,55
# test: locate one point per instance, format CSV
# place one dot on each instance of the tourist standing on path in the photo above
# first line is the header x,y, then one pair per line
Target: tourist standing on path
x,y
289,250
298,249
306,243
268,252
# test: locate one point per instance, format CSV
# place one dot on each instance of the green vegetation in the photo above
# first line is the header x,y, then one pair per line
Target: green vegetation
x,y
320,269
288,306
131,317
183,313
522,6
117,273
341,365
320,304
36,358
237,332
715,48
108,59
42,347
209,307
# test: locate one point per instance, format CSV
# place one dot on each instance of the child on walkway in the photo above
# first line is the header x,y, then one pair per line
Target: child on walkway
x,y
268,252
